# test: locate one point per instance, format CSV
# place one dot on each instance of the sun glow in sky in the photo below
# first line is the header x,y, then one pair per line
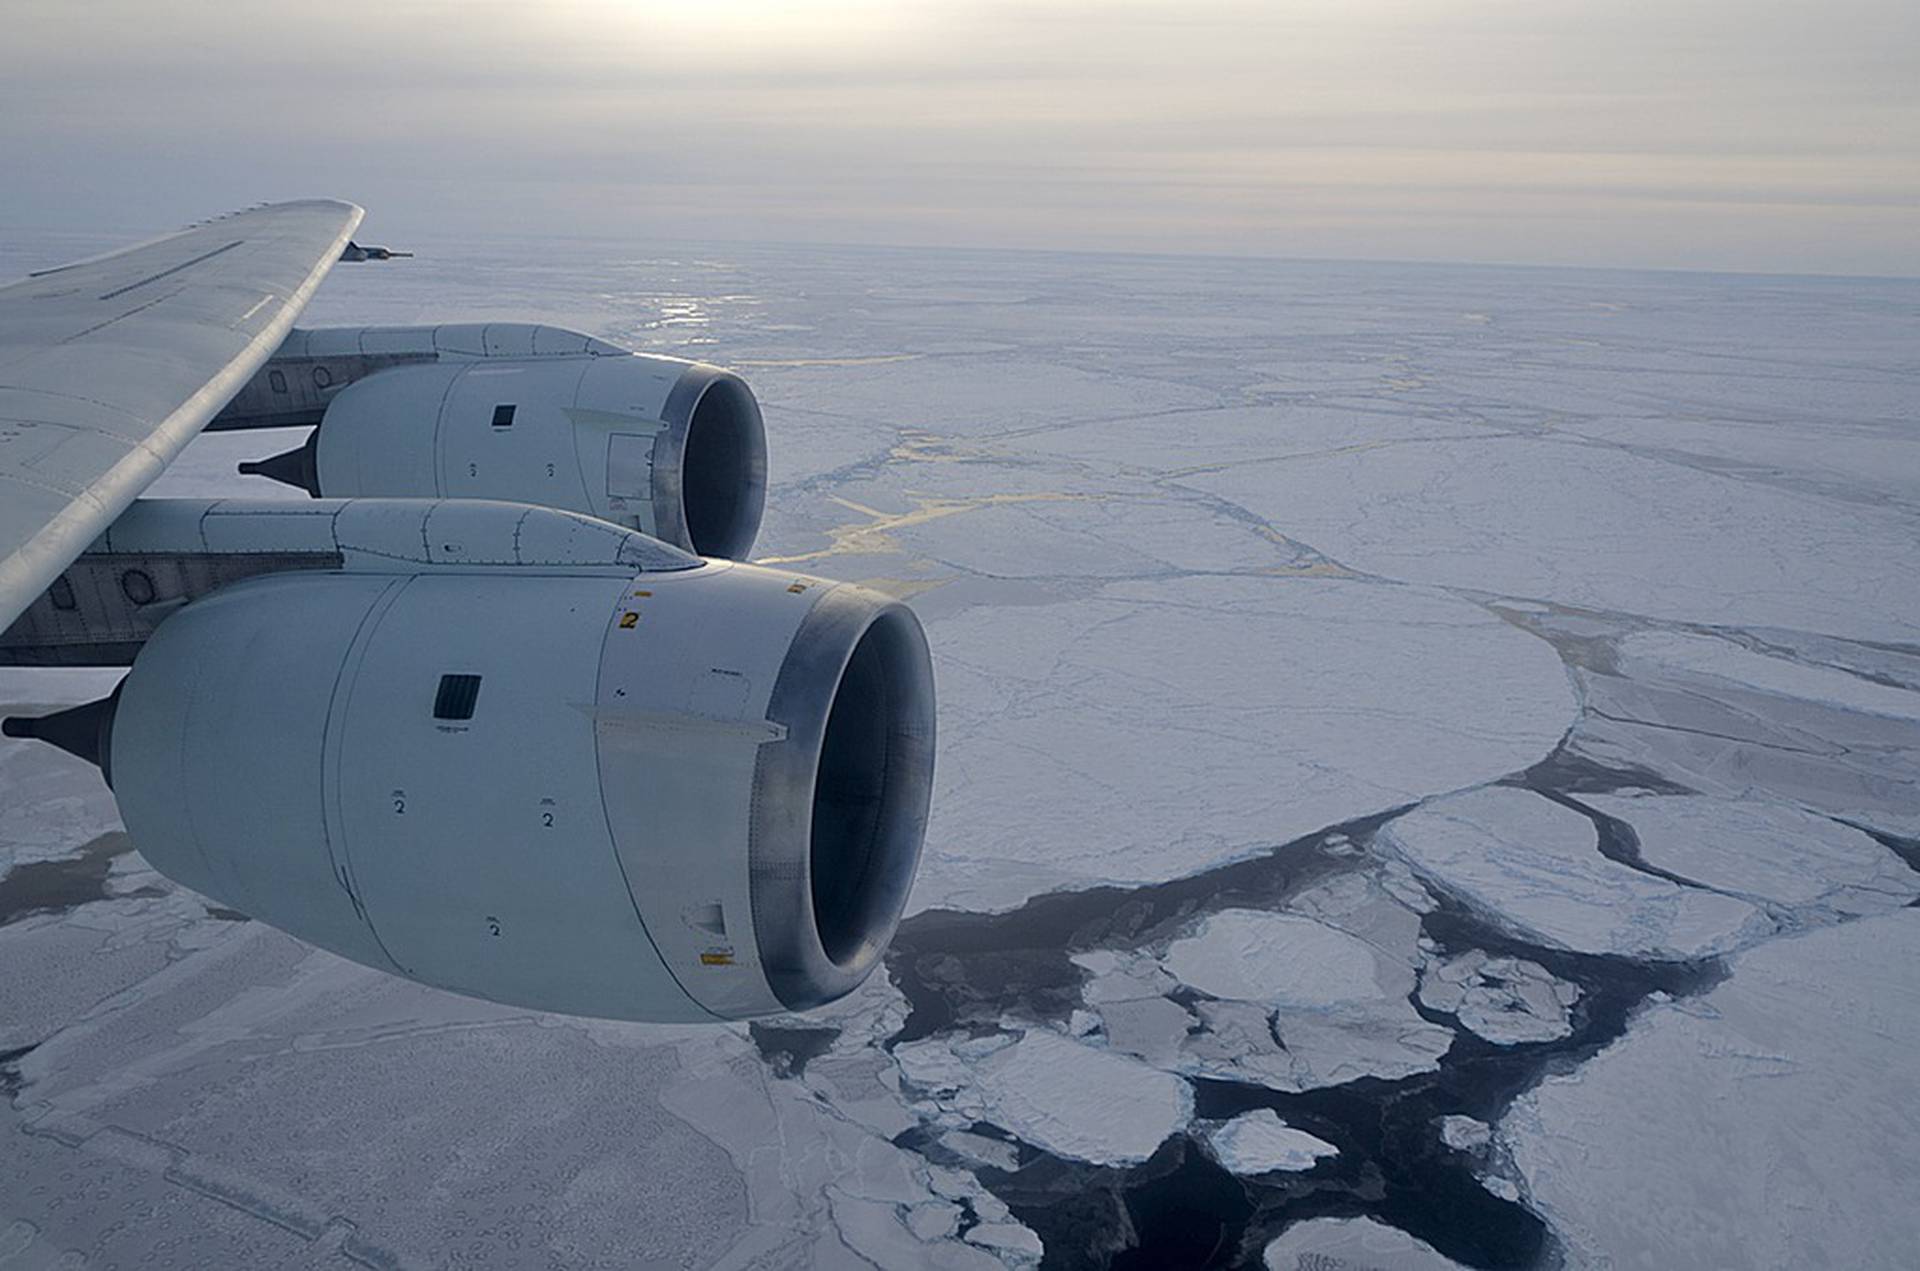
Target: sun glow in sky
x,y
1710,134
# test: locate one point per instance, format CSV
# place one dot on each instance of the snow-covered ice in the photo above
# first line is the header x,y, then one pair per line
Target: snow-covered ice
x,y
1076,1101
1597,526
1334,1244
1825,724
1504,1000
1304,1002
1464,1134
1739,667
1153,729
1287,960
1535,866
1771,852
1259,1142
1774,1122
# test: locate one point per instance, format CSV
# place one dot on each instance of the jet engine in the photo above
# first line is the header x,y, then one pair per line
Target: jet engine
x,y
674,449
471,745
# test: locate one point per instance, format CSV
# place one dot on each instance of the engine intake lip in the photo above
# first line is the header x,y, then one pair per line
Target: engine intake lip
x,y
710,465
840,806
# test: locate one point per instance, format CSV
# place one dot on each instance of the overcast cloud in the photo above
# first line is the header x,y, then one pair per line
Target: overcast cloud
x,y
1752,135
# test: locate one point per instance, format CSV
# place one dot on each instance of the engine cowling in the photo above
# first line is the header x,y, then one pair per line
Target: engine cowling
x,y
671,448
699,792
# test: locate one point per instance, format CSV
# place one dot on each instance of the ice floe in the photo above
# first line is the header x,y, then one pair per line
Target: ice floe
x,y
1595,526
1772,1122
1324,1244
1153,729
1823,723
1504,1000
1259,1142
1299,1002
1770,852
1280,958
1464,1134
1073,1100
1737,665
1534,866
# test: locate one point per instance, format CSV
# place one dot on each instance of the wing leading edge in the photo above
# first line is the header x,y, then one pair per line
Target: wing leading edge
x,y
108,367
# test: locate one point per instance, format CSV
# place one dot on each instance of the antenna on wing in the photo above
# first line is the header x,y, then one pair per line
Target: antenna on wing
x,y
354,251
84,731
299,467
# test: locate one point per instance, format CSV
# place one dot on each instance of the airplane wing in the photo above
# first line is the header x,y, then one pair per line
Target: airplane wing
x,y
108,367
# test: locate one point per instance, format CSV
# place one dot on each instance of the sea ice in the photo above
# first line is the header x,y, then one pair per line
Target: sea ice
x,y
1534,866
1736,665
1153,729
1259,1142
1504,1000
1008,1236
1772,1122
1770,852
1118,977
1274,957
1302,1003
1334,1244
1464,1134
1070,1099
1598,527
1152,1028
1831,740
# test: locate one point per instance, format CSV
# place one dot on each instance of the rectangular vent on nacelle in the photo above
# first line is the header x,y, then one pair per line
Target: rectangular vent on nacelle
x,y
503,416
456,697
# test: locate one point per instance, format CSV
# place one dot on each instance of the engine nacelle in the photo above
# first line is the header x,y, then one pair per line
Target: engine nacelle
x,y
674,449
699,792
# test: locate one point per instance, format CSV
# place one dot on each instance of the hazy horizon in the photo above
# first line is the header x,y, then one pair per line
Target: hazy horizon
x,y
1712,137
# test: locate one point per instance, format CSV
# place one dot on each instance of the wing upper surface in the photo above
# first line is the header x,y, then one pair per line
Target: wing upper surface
x,y
108,367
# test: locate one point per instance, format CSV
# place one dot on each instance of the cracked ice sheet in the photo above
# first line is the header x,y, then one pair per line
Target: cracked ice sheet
x,y
1173,443
1733,664
1844,456
972,395
1158,729
1070,1099
1503,1000
1291,961
1767,851
1308,998
1535,868
1597,527
1303,1002
311,1092
1684,714
1772,1122
60,965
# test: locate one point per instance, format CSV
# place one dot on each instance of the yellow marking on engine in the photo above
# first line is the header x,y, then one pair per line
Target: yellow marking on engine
x,y
629,620
716,959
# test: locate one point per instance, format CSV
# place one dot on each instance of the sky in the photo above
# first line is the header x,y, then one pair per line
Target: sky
x,y
1754,135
